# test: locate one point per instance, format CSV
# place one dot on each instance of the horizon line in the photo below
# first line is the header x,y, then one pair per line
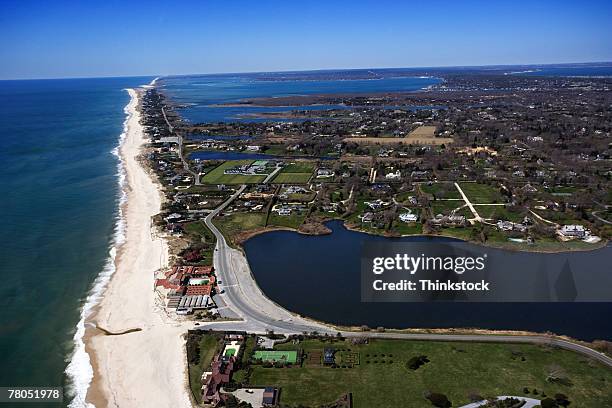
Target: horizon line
x,y
305,70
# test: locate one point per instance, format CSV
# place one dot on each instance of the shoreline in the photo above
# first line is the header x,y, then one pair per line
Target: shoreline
x,y
138,342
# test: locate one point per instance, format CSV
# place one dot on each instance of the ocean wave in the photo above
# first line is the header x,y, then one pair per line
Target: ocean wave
x,y
79,370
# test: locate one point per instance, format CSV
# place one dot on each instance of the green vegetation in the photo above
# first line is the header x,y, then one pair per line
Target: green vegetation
x,y
499,212
233,224
203,239
440,190
404,228
200,351
381,378
295,173
481,193
290,221
291,178
217,176
445,207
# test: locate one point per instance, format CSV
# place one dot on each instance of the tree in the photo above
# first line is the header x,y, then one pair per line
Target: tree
x,y
438,400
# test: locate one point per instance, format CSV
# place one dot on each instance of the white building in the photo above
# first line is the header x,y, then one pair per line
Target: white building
x,y
577,231
408,217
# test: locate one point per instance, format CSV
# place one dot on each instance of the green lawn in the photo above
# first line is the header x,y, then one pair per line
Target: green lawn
x,y
291,221
217,176
298,172
291,178
445,207
233,224
381,378
403,228
440,190
481,193
498,212
299,167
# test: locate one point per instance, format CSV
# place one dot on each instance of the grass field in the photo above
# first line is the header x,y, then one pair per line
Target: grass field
x,y
440,190
402,228
446,207
276,355
233,224
298,172
217,176
498,212
481,193
291,221
291,178
381,379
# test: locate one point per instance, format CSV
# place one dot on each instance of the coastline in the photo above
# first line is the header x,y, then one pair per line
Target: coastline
x,y
143,363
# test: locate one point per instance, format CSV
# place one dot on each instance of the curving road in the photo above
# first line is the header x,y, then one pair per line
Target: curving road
x,y
259,314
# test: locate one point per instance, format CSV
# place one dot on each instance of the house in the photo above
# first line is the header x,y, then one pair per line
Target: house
x,y
367,217
325,173
408,217
419,174
573,231
510,226
221,374
269,397
394,176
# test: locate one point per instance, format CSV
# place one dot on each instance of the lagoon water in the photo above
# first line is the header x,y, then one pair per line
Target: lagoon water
x,y
319,277
59,189
201,93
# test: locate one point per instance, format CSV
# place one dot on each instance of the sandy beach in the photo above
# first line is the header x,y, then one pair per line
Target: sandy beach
x,y
145,367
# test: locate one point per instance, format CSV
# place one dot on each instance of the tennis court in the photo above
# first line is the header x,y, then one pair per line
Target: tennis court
x,y
276,355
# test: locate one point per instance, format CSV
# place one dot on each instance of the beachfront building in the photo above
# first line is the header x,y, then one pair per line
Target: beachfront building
x,y
408,217
188,288
573,231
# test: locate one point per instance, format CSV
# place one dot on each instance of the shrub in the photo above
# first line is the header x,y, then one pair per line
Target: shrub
x,y
415,362
438,400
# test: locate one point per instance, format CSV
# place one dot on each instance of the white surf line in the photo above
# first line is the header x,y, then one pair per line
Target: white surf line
x,y
468,202
79,370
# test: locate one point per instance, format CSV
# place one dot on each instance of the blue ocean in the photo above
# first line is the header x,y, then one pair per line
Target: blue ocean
x,y
59,188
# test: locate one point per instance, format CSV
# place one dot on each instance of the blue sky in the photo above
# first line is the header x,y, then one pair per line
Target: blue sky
x,y
45,39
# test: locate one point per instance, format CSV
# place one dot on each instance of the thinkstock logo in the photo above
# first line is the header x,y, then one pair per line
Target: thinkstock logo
x,y
457,271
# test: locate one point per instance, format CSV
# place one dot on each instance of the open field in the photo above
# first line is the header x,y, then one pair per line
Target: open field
x,y
403,228
423,135
291,178
217,175
445,207
481,193
298,172
290,221
440,190
233,224
455,369
498,212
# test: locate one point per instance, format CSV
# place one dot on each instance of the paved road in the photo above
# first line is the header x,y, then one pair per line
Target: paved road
x,y
259,314
469,203
196,176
